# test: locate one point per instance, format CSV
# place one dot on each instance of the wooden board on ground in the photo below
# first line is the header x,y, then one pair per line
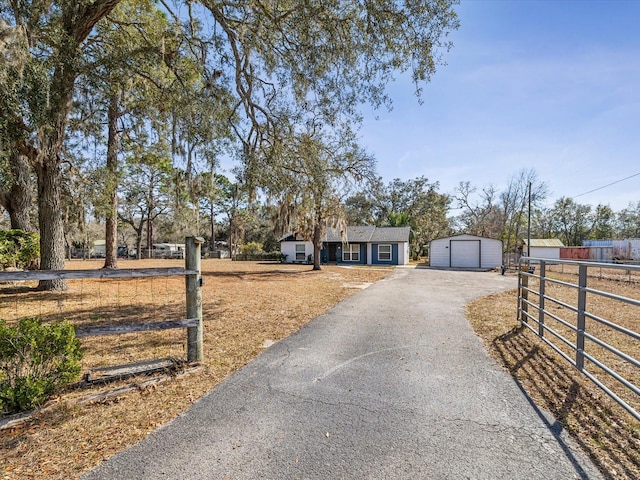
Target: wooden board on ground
x,y
106,374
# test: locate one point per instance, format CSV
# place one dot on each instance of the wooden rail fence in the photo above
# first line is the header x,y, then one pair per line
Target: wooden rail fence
x,y
193,294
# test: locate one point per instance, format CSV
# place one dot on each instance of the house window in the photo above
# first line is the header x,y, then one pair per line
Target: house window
x,y
300,252
351,253
384,253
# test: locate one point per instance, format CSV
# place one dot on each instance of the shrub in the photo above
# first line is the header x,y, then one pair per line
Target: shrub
x,y
36,360
18,249
251,248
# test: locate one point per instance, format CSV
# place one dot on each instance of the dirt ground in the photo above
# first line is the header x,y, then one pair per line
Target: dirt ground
x,y
603,429
246,307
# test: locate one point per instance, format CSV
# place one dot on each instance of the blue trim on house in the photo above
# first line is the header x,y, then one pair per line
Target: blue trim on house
x,y
339,248
362,257
394,254
395,249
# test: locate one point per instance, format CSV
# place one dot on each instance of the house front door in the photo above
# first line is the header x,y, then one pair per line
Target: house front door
x,y
333,257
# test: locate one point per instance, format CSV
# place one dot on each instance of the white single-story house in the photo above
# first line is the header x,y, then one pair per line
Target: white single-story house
x,y
367,245
548,248
295,249
465,251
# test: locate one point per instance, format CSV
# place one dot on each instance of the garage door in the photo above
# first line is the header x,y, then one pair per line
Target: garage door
x,y
465,253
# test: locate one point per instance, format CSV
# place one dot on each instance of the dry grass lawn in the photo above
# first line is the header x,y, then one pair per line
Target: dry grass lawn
x,y
603,429
246,305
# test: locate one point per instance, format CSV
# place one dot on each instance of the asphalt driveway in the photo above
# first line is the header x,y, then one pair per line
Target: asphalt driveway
x,y
390,384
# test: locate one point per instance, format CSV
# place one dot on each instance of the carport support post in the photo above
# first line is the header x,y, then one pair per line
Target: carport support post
x,y
194,298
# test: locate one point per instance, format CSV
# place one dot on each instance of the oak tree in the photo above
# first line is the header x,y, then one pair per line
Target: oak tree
x,y
279,58
310,180
52,36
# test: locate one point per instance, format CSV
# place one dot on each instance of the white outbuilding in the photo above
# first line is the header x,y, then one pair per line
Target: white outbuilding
x,y
465,251
543,248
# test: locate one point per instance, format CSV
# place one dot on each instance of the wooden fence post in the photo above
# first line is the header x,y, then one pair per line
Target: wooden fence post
x,y
194,298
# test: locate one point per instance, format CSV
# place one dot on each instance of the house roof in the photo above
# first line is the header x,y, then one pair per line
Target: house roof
x,y
391,234
368,234
544,242
351,235
364,234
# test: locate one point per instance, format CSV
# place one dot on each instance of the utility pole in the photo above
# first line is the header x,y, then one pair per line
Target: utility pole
x,y
529,225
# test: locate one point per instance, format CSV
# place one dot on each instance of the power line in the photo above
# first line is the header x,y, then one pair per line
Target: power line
x,y
607,185
595,189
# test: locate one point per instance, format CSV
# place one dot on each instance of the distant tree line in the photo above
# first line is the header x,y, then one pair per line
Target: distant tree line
x,y
504,214
414,203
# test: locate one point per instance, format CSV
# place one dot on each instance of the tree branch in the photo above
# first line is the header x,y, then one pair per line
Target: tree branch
x,y
88,16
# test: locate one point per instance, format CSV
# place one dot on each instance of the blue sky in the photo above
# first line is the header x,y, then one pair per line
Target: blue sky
x,y
549,85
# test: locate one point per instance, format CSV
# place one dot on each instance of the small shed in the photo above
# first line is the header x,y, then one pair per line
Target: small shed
x,y
465,251
99,248
548,248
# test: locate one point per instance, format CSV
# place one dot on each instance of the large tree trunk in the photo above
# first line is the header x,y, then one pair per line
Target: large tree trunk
x,y
111,220
111,234
317,244
47,165
149,234
79,18
18,200
50,179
